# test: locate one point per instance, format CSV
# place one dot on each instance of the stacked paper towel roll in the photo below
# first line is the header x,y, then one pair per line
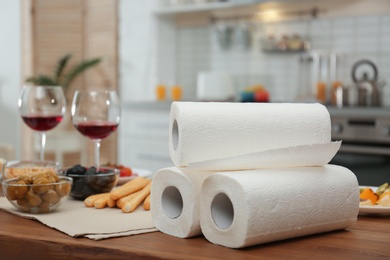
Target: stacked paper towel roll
x,y
229,136
252,207
261,160
176,202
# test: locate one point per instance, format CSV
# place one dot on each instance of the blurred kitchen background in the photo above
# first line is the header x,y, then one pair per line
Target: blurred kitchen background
x,y
204,50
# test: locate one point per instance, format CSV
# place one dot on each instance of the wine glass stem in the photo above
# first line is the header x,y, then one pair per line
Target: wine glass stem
x,y
97,152
43,144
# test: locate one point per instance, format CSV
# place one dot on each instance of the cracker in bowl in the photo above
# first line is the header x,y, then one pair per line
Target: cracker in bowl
x,y
15,169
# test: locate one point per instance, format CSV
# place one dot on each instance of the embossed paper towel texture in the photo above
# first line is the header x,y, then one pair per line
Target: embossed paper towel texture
x,y
251,207
207,131
176,202
293,156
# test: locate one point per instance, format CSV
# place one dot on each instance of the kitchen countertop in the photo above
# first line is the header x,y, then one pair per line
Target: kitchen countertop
x,y
22,238
360,111
147,105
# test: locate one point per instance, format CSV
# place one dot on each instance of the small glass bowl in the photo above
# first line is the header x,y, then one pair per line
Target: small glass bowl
x,y
3,163
36,196
86,184
15,169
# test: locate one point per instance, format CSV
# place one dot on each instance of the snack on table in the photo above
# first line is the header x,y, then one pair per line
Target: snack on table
x,y
15,169
369,194
147,203
123,170
89,202
129,187
131,205
381,189
380,197
126,197
91,181
120,202
39,193
101,202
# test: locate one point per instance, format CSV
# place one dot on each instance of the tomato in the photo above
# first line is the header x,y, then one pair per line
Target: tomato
x,y
125,172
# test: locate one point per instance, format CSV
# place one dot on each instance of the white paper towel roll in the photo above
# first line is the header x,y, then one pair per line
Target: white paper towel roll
x,y
240,209
294,156
201,131
175,201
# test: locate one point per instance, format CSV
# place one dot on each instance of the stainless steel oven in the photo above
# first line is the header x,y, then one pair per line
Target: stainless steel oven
x,y
365,149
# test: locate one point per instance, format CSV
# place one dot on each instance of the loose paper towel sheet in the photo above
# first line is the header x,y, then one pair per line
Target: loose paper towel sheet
x,y
243,208
294,156
175,200
76,220
209,131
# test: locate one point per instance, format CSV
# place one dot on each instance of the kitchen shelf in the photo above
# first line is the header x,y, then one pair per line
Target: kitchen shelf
x,y
277,51
194,8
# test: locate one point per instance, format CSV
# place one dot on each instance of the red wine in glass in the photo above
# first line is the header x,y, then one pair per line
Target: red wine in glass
x,y
96,114
42,123
96,130
42,108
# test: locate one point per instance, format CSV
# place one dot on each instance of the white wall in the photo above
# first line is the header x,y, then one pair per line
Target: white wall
x,y
10,60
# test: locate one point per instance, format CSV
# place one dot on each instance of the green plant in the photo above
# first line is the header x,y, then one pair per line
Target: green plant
x,y
60,77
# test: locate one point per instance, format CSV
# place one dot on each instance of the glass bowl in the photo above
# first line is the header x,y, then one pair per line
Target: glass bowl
x,y
2,168
41,193
3,163
14,169
91,180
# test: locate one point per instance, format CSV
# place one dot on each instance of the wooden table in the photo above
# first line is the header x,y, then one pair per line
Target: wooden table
x,y
28,239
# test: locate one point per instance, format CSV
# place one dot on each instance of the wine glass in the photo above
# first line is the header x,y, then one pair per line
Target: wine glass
x,y
96,114
42,108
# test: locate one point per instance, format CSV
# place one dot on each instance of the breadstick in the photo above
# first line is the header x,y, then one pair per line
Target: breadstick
x,y
131,205
147,203
91,199
129,187
101,202
111,203
121,201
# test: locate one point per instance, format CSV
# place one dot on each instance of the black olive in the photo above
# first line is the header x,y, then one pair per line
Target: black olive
x,y
92,181
79,189
77,169
91,171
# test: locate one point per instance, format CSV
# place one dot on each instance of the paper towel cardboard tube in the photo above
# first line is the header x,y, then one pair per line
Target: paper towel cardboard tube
x,y
175,135
202,131
172,202
175,200
222,211
244,208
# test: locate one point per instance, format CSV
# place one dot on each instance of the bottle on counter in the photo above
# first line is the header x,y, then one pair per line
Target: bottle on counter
x,y
176,92
161,92
321,92
333,98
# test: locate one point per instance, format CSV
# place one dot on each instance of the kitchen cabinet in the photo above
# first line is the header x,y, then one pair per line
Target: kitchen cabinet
x,y
144,135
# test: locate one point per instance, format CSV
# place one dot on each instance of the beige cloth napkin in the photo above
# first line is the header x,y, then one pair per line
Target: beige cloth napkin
x,y
75,219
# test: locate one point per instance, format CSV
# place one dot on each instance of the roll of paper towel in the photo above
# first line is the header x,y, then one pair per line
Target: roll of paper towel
x,y
204,131
175,201
240,209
